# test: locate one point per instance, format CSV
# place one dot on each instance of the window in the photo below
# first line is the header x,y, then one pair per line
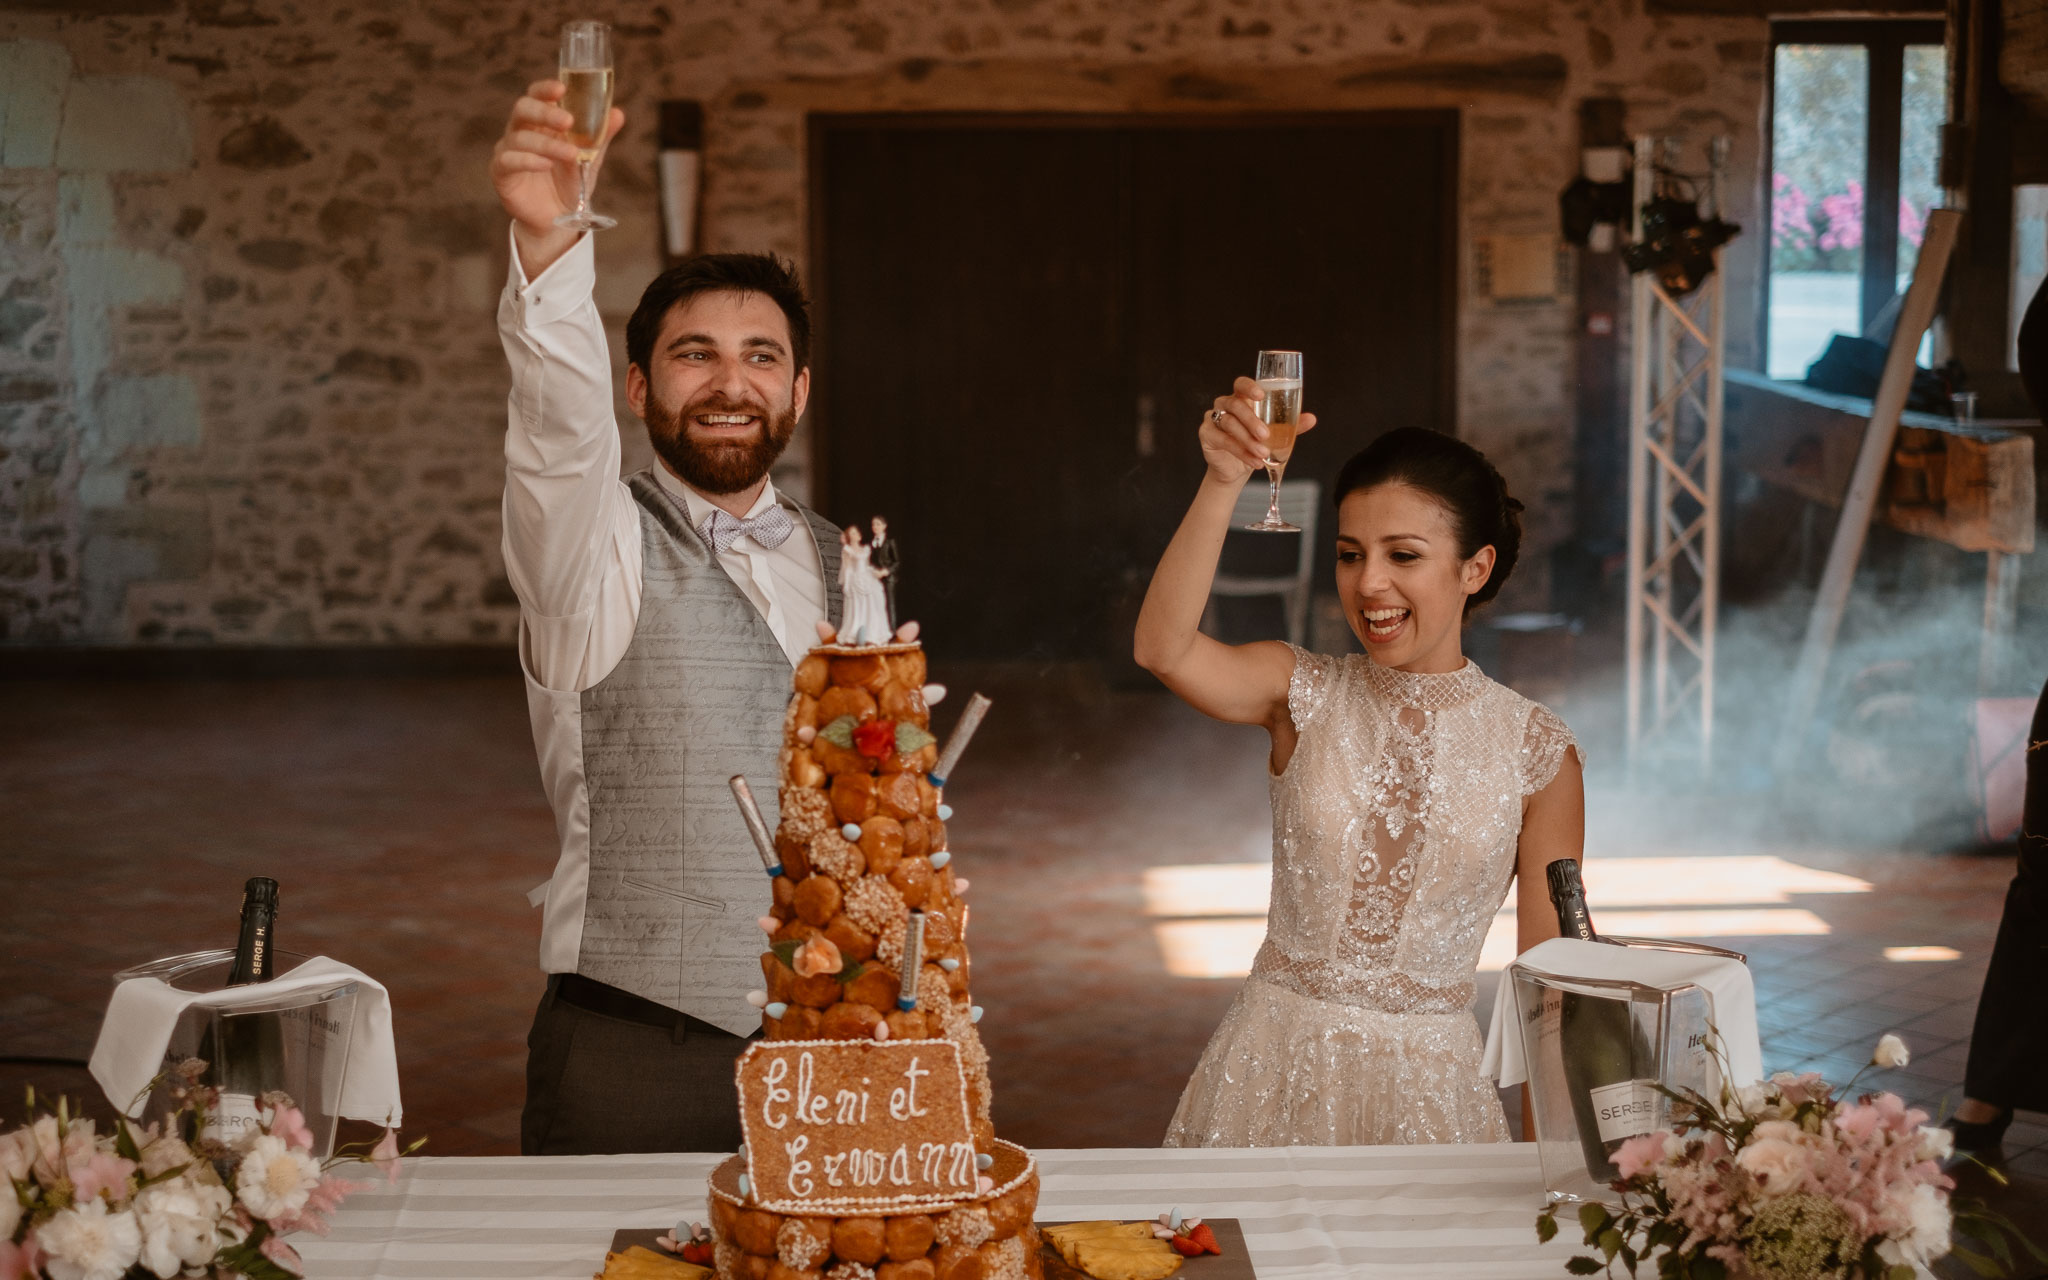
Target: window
x,y
1856,112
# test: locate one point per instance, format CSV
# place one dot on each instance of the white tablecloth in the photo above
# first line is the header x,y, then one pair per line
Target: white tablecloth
x,y
1459,1213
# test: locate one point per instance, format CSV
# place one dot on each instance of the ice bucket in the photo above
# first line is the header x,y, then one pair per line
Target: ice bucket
x,y
1597,1050
305,1035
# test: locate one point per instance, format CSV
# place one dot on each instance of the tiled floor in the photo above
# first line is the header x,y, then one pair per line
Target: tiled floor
x,y
405,823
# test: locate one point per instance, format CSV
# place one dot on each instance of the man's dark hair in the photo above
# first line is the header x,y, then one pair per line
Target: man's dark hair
x,y
761,273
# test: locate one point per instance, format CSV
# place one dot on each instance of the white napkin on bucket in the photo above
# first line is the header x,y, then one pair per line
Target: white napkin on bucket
x,y
144,1012
1725,978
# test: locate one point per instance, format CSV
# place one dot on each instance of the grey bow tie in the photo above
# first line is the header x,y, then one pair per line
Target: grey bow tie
x,y
770,529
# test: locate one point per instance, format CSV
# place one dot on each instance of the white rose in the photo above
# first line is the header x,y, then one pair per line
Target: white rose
x,y
1775,1156
273,1179
17,1154
10,1213
165,1154
89,1243
1890,1052
1936,1144
1929,1238
179,1221
1752,1098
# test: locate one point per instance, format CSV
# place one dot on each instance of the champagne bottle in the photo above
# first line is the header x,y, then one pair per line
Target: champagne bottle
x,y
1602,1047
246,1059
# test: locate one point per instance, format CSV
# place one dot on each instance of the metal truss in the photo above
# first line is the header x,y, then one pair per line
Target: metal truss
x,y
1677,351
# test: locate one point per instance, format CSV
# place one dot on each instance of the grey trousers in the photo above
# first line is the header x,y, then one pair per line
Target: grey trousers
x,y
599,1085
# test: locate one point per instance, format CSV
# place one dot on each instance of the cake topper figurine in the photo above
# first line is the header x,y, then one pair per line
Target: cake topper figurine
x,y
863,609
887,557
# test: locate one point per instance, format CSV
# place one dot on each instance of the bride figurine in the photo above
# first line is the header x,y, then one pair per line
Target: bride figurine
x,y
864,608
1409,791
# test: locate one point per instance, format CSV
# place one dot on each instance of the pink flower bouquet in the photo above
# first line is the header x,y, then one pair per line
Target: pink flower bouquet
x,y
1785,1179
85,1205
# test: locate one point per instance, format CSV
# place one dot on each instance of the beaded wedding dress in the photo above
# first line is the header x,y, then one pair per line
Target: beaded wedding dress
x,y
1395,827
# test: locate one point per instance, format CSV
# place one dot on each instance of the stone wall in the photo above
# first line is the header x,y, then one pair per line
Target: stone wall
x,y
250,386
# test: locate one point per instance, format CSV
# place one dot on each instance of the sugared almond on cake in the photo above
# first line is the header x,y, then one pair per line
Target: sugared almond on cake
x,y
870,1153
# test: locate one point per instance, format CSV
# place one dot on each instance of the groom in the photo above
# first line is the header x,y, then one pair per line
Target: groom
x,y
660,617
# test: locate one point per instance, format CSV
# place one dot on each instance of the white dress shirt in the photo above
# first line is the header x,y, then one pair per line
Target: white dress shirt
x,y
573,552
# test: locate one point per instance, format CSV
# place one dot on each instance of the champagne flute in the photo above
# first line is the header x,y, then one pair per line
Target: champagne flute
x,y
586,68
1279,376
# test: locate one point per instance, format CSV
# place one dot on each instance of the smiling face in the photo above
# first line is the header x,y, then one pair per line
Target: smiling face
x,y
1401,578
721,395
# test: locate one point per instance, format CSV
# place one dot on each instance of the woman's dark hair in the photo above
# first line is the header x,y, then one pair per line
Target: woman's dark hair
x,y
1460,478
761,273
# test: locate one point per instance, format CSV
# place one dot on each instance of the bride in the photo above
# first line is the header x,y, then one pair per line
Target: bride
x,y
1410,793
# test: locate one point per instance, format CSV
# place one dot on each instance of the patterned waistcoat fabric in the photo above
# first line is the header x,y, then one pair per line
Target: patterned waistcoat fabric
x,y
675,883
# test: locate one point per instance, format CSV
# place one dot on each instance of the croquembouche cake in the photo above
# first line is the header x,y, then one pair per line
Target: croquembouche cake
x,y
865,890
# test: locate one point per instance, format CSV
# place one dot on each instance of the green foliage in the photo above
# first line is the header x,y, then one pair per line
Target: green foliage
x,y
840,732
1546,1226
910,739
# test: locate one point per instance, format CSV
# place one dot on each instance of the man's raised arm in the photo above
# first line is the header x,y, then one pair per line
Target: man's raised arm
x,y
569,527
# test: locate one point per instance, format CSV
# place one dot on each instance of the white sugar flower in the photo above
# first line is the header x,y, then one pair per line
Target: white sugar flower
x,y
274,1180
179,1221
89,1243
1890,1052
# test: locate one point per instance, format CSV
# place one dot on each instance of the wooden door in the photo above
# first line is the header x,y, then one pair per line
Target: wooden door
x,y
1021,322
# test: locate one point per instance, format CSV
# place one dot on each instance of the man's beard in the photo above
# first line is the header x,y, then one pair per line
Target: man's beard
x,y
717,466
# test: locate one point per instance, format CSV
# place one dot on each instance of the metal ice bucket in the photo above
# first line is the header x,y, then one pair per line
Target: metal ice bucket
x,y
314,1024
1667,1043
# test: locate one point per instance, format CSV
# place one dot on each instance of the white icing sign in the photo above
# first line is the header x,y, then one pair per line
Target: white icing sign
x,y
847,1122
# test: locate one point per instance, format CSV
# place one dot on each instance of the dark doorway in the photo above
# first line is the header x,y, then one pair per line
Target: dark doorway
x,y
1022,320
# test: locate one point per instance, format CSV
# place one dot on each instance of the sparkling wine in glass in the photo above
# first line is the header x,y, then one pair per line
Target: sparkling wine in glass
x,y
586,68
1279,376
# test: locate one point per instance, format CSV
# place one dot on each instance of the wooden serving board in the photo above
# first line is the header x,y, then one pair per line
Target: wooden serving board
x,y
1234,1263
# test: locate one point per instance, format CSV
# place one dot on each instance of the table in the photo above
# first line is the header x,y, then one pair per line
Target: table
x,y
1456,1212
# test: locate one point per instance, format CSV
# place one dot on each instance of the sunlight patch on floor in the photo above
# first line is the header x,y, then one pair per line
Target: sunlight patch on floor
x,y
1210,918
1921,955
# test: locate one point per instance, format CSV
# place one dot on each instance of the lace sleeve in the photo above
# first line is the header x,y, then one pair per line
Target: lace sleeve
x,y
1544,743
1309,685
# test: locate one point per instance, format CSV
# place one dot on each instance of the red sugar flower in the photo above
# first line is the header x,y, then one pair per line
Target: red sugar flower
x,y
876,739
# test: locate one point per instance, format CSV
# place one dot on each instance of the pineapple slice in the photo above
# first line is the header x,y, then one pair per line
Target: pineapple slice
x,y
1114,1250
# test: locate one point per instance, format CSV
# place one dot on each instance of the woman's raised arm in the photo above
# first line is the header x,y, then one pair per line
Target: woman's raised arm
x,y
1244,684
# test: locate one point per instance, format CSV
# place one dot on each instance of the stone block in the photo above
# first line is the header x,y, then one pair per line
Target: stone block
x,y
148,412
263,143
123,546
85,209
129,124
33,74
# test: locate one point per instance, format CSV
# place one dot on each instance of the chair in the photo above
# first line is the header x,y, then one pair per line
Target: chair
x,y
1298,506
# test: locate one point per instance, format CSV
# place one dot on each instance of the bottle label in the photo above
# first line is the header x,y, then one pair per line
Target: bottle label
x,y
1627,1108
236,1117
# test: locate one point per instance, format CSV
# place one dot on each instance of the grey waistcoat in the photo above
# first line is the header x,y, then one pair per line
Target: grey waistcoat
x,y
675,883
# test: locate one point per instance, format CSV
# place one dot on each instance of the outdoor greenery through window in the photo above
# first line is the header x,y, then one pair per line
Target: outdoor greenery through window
x,y
1855,131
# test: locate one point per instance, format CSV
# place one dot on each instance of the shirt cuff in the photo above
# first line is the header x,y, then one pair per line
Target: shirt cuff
x,y
557,291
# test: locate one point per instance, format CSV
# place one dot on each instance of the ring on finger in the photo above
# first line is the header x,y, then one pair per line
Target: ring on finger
x,y
1217,416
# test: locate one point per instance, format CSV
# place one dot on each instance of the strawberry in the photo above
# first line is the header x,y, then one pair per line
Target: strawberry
x,y
1185,1246
699,1252
1198,1240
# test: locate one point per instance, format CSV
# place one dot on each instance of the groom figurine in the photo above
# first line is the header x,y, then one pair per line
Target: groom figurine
x,y
660,617
884,554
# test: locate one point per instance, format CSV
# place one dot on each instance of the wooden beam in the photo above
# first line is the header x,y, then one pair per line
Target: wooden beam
x,y
1865,485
